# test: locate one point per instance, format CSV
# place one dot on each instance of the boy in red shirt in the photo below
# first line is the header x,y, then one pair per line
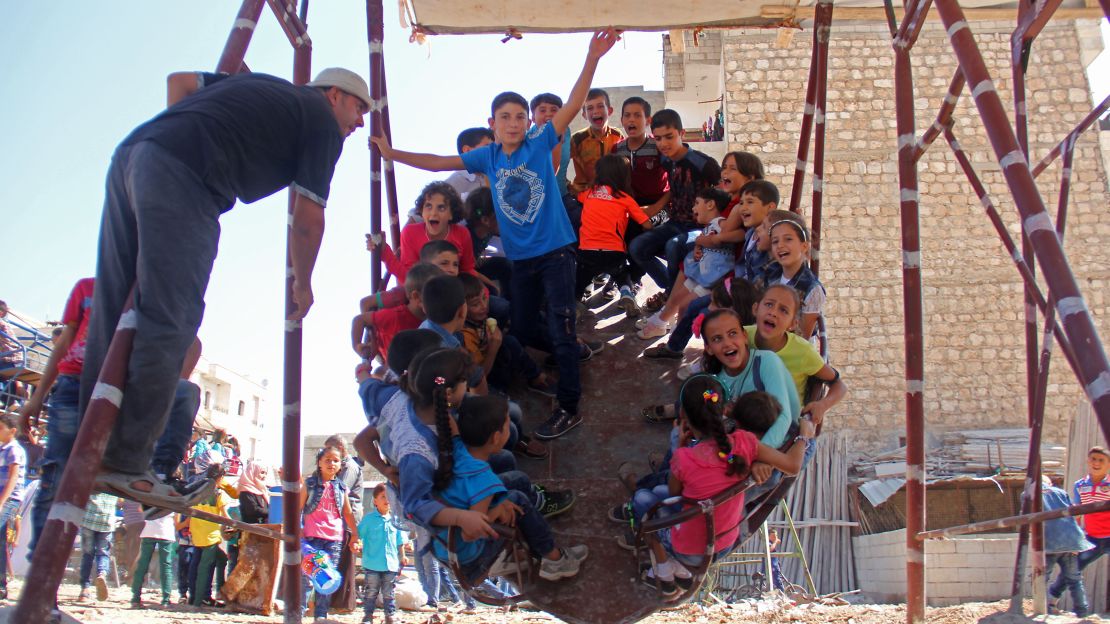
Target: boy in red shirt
x,y
373,330
1093,488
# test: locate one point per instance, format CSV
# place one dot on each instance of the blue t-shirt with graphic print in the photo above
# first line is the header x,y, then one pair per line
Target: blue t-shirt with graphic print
x,y
529,209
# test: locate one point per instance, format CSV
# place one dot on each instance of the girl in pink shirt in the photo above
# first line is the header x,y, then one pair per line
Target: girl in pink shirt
x,y
706,462
324,508
440,209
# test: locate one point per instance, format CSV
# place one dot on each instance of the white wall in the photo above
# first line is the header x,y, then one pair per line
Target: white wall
x,y
964,569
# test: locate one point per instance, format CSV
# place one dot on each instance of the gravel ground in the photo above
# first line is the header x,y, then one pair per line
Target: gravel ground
x,y
117,609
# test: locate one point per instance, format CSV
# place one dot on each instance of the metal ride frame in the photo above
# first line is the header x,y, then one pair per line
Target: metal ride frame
x,y
1074,330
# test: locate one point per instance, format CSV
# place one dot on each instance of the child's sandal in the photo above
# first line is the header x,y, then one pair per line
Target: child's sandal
x,y
656,414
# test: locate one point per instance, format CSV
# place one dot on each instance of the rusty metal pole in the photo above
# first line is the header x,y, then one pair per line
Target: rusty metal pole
x,y
375,34
822,27
291,486
1094,370
40,588
387,166
912,308
235,50
1015,521
806,129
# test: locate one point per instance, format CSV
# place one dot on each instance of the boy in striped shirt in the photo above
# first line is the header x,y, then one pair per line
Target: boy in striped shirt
x,y
1093,488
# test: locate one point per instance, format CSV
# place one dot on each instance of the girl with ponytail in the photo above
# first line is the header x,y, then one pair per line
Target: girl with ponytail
x,y
708,461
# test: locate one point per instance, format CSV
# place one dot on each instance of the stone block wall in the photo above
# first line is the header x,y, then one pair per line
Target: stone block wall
x,y
974,340
965,569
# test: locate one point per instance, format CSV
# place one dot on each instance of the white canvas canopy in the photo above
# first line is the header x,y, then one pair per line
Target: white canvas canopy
x,y
524,16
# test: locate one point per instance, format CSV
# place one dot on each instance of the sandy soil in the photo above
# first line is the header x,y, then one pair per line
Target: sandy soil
x,y
775,611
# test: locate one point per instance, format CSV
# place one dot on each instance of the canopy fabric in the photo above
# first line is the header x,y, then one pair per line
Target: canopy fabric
x,y
528,16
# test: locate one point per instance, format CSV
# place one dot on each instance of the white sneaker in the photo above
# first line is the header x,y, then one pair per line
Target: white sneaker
x,y
687,371
653,328
565,566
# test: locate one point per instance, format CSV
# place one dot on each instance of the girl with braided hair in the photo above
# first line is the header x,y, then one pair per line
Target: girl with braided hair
x,y
706,462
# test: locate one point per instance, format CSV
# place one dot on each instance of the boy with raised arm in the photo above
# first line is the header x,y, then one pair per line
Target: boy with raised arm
x,y
537,234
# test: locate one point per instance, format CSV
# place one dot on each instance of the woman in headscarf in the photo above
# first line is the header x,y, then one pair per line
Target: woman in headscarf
x,y
254,495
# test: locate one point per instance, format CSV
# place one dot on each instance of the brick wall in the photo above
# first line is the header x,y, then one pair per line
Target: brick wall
x,y
974,341
968,568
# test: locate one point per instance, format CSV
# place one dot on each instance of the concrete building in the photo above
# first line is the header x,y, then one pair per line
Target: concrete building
x,y
235,403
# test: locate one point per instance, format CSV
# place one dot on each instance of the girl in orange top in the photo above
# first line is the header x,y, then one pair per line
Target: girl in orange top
x,y
606,208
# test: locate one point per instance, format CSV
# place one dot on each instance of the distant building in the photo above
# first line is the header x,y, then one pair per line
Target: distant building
x,y
233,402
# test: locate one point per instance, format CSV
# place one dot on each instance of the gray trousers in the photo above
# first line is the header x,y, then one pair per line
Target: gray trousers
x,y
159,232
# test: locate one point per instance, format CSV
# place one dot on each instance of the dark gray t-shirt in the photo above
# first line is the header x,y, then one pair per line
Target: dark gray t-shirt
x,y
250,135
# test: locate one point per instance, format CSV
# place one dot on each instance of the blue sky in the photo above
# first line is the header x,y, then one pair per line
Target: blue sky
x,y
79,77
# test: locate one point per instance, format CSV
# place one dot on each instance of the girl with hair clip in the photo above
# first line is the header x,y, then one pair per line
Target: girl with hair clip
x,y
707,462
324,508
607,206
790,251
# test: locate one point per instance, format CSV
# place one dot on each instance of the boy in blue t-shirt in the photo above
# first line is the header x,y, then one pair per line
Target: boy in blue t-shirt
x,y
535,230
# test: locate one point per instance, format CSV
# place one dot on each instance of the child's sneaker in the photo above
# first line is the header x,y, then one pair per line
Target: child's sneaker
x,y
555,502
578,551
621,514
654,327
628,303
687,371
565,566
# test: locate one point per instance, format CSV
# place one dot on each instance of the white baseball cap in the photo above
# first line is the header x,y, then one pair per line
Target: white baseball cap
x,y
344,80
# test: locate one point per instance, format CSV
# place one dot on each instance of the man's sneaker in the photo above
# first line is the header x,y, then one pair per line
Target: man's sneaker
x,y
556,502
560,422
565,566
628,303
101,587
662,352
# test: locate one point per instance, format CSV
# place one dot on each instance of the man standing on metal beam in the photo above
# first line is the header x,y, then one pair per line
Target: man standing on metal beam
x,y
222,139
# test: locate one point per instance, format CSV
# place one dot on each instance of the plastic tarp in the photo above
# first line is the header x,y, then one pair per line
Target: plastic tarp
x,y
523,16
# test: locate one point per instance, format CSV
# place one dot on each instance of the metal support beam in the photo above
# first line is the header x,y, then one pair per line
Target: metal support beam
x,y
806,129
912,308
235,50
1010,522
375,35
821,32
40,588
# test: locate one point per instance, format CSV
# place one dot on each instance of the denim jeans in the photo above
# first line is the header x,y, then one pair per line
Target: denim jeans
x,y
1070,577
533,526
500,270
7,512
158,215
96,547
511,359
61,431
169,452
668,240
594,262
379,583
184,566
684,329
165,550
449,588
1087,557
552,276
644,499
333,550
427,567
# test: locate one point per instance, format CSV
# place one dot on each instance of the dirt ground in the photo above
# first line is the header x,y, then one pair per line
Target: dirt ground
x,y
117,609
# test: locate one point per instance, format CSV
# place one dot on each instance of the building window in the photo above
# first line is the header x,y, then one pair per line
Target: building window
x,y
207,399
242,408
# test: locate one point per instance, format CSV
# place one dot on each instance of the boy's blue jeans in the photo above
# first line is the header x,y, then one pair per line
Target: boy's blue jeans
x,y
550,275
61,431
511,359
532,525
1070,577
669,240
379,583
684,330
96,547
